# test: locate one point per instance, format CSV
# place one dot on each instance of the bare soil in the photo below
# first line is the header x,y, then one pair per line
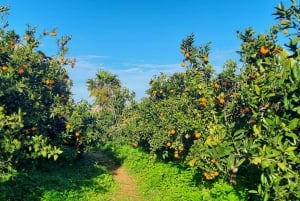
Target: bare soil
x,y
127,190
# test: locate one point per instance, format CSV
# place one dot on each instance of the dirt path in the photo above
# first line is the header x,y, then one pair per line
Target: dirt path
x,y
127,185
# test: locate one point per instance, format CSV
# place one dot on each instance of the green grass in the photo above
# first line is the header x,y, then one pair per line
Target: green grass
x,y
87,179
159,181
84,179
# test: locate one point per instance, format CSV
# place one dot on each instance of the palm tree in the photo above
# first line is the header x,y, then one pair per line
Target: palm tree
x,y
103,88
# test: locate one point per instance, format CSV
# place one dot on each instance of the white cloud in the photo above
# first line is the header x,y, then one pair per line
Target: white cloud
x,y
133,75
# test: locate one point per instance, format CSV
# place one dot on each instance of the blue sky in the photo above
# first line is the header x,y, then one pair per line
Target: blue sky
x,y
137,39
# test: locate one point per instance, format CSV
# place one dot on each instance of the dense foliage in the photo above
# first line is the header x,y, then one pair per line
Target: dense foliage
x,y
242,124
238,128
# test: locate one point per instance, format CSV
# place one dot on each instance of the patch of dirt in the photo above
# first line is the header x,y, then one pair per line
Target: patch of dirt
x,y
127,185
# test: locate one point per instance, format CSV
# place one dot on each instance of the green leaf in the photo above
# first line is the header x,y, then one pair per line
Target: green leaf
x,y
289,149
240,162
297,109
256,129
253,191
256,160
293,123
55,157
281,166
257,89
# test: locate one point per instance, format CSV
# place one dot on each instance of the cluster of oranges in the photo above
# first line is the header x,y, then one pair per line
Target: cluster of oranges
x,y
210,175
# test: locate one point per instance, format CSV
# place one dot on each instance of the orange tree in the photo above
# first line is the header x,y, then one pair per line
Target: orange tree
x,y
35,97
239,125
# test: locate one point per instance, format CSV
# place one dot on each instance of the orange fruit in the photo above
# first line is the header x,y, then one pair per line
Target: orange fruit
x,y
252,76
176,155
205,59
267,106
4,68
187,55
182,51
51,81
181,148
221,100
246,109
33,128
68,126
216,85
213,161
53,32
172,131
182,64
21,70
197,135
203,101
26,37
62,59
252,121
77,133
264,50
169,144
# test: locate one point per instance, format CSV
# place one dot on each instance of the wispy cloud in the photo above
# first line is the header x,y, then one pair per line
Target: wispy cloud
x,y
133,75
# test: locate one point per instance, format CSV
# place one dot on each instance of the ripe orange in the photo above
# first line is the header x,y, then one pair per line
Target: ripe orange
x,y
169,144
221,100
187,55
252,76
264,50
77,133
34,128
53,32
21,70
176,155
51,81
172,131
205,59
213,161
216,86
26,38
182,64
197,135
215,173
62,59
225,84
4,68
252,121
68,126
181,148
267,106
182,51
246,110
203,101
